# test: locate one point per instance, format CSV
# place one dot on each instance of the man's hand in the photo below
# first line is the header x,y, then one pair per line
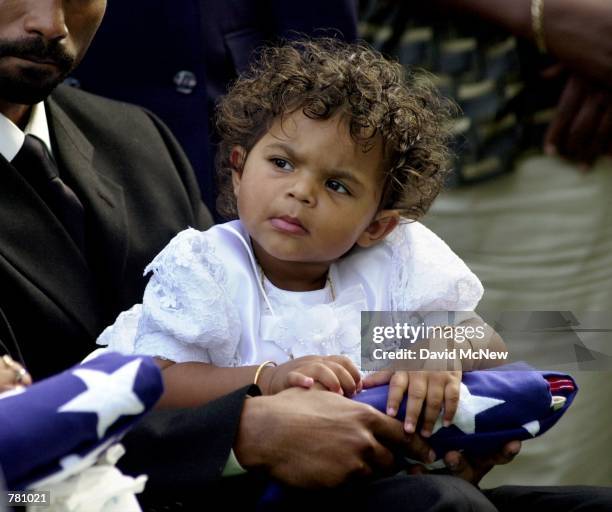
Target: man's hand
x,y
579,34
582,127
473,470
309,439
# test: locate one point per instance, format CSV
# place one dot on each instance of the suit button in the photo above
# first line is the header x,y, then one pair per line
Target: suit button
x,y
185,82
73,82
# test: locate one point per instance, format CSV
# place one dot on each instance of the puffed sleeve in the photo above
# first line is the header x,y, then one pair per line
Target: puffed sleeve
x,y
427,275
185,314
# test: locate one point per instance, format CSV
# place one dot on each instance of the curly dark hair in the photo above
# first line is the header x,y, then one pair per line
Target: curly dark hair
x,y
324,77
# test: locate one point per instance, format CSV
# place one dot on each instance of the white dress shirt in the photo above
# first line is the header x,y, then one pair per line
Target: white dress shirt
x,y
12,137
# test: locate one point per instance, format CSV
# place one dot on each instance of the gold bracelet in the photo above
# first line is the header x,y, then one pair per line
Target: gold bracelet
x,y
260,369
537,24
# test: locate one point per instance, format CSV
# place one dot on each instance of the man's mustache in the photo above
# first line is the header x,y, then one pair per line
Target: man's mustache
x,y
38,49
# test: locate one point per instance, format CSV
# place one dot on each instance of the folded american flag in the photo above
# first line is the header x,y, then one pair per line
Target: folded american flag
x,y
59,425
510,402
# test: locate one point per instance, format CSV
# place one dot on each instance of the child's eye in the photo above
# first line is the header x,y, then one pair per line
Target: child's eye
x,y
336,186
282,164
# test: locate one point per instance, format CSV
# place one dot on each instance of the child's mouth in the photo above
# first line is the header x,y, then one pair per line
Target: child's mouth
x,y
288,225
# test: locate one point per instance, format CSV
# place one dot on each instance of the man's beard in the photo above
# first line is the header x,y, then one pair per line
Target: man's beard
x,y
31,84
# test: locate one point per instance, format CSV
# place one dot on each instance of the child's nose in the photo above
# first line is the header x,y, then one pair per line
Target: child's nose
x,y
303,190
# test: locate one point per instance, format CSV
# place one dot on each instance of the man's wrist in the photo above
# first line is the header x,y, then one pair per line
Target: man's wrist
x,y
249,439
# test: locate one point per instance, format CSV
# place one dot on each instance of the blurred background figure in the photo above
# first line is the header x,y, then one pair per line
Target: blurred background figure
x,y
177,58
533,224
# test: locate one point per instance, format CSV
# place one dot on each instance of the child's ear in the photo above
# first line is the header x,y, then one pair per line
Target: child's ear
x,y
384,222
237,157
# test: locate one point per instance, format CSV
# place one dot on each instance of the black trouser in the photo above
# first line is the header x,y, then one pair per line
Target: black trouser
x,y
578,498
439,493
405,493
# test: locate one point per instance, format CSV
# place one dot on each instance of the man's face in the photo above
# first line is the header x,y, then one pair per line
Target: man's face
x,y
41,41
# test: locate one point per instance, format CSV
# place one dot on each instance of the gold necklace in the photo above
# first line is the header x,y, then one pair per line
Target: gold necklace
x,y
332,292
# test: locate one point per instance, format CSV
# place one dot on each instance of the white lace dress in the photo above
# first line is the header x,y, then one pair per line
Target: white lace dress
x,y
206,301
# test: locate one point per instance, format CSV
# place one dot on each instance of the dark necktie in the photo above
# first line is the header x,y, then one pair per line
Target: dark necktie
x,y
36,165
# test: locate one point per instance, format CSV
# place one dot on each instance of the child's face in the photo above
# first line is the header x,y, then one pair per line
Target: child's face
x,y
309,193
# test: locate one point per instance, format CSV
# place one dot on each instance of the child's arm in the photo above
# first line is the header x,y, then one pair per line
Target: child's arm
x,y
193,384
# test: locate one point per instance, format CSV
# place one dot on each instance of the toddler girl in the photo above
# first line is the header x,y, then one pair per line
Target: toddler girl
x,y
326,153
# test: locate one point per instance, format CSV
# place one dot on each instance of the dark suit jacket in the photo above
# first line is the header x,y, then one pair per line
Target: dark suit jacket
x,y
138,190
142,46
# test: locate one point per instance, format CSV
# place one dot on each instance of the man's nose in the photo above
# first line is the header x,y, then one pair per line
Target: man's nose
x,y
46,18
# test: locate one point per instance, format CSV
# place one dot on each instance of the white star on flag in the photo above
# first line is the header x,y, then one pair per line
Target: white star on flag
x,y
533,427
108,395
469,406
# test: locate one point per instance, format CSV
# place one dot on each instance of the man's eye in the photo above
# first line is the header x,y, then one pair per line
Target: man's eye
x,y
282,164
336,186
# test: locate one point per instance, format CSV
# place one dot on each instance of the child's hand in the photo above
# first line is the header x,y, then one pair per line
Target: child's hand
x,y
435,388
336,373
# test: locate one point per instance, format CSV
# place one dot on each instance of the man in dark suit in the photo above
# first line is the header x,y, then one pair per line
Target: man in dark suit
x,y
60,294
176,60
90,190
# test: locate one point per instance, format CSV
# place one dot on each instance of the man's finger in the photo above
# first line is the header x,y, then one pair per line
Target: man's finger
x,y
580,137
382,459
459,466
602,139
508,453
390,432
473,470
569,103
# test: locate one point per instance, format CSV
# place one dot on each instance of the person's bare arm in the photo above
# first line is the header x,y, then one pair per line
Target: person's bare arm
x,y
193,384
577,32
514,16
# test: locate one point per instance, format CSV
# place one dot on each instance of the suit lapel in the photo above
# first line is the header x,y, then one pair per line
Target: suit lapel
x,y
103,199
35,243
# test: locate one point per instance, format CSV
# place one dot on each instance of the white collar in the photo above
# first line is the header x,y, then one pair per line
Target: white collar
x,y
11,136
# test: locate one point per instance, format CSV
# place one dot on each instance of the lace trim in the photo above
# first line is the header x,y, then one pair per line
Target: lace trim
x,y
429,276
186,299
